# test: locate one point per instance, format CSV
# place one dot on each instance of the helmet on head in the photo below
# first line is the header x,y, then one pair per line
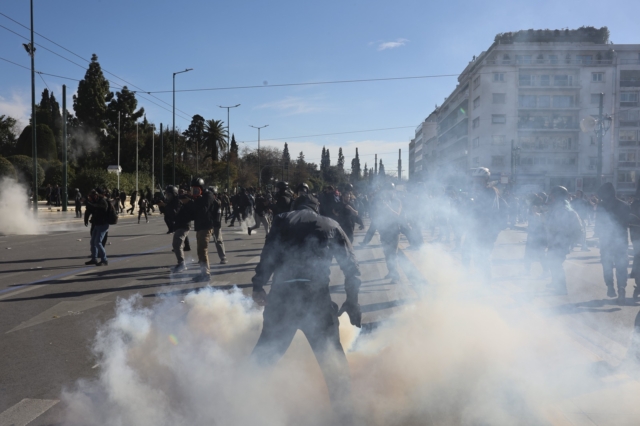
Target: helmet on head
x,y
347,187
306,201
99,191
558,193
198,182
171,190
302,188
480,172
282,186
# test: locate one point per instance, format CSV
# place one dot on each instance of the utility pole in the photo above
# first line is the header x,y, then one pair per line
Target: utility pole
x,y
259,171
174,121
600,133
65,169
153,158
118,150
399,165
228,143
161,158
375,166
34,146
136,156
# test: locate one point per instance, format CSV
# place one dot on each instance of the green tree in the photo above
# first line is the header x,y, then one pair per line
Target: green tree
x,y
355,168
234,149
215,137
45,140
24,169
381,169
340,160
90,103
365,175
8,135
195,136
300,172
48,112
7,169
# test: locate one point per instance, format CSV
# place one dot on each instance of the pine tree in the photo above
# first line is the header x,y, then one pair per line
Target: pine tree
x,y
90,104
340,160
286,158
381,169
355,168
234,149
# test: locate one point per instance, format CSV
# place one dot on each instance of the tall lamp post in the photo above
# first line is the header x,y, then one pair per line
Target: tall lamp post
x,y
228,143
600,127
174,121
31,50
260,171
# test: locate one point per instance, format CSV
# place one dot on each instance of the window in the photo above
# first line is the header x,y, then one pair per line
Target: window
x,y
476,161
498,140
597,77
523,59
562,80
628,98
475,143
584,59
553,59
595,98
498,119
632,115
627,159
497,160
525,80
527,101
476,82
498,76
506,59
562,101
476,122
630,78
545,80
626,177
628,135
593,162
544,101
540,59
476,102
499,98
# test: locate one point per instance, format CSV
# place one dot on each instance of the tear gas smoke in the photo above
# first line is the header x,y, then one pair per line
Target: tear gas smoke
x,y
464,355
17,218
82,142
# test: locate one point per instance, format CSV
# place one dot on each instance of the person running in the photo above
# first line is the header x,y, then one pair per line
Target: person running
x,y
134,197
143,206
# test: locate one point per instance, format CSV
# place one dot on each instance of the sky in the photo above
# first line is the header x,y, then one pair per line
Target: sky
x,y
265,44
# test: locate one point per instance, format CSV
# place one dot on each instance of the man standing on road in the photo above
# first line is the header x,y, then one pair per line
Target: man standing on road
x,y
300,297
564,229
389,216
178,212
612,224
78,200
123,198
132,201
204,204
261,214
283,199
97,210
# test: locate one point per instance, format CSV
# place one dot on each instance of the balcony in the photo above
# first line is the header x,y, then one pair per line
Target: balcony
x,y
626,185
627,164
627,143
549,84
545,123
559,61
629,61
629,83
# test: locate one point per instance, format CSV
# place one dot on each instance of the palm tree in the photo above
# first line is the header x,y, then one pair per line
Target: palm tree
x,y
215,135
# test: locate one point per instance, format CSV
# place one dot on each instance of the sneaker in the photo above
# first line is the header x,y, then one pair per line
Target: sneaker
x,y
91,262
611,292
249,231
103,263
179,267
223,261
202,278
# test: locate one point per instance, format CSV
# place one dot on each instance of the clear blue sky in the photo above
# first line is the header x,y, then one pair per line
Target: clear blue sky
x,y
239,43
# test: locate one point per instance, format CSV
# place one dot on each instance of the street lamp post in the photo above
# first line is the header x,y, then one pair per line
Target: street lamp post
x,y
31,49
136,157
174,121
118,150
228,143
260,171
153,158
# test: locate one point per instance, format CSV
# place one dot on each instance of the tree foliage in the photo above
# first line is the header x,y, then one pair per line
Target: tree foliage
x,y
90,103
24,169
355,168
46,143
340,160
215,135
8,135
7,169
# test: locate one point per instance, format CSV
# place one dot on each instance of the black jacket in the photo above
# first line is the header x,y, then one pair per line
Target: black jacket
x,y
612,222
202,211
308,242
97,211
282,204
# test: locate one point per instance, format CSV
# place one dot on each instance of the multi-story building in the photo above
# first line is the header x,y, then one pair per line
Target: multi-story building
x,y
518,107
418,148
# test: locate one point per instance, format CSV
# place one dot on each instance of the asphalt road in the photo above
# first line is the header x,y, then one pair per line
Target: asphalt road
x,y
51,304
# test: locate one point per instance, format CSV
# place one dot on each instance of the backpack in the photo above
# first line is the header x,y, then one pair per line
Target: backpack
x,y
112,216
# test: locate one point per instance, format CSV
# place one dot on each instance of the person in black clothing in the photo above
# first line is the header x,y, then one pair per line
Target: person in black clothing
x,y
261,214
283,199
116,199
78,201
347,213
97,207
123,198
612,223
389,221
134,197
143,206
300,298
177,212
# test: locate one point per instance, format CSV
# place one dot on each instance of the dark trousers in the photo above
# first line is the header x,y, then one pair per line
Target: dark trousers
x,y
298,307
78,210
390,240
615,257
141,212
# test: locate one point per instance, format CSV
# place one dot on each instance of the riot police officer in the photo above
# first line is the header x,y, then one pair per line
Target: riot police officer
x,y
283,199
300,298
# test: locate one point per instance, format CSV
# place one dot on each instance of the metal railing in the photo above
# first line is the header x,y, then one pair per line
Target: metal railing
x,y
559,61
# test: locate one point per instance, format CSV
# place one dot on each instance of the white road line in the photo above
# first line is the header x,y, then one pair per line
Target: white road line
x,y
26,411
23,290
255,259
135,238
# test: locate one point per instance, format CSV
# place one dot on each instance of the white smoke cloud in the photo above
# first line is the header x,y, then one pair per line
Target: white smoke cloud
x,y
82,142
462,355
17,218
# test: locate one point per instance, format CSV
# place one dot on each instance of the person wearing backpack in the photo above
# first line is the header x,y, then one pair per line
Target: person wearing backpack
x,y
98,211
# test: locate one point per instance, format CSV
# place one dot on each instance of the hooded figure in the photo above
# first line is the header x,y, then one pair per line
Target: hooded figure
x,y
300,298
612,223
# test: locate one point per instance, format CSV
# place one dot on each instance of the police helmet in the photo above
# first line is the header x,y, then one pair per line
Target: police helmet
x,y
480,172
306,201
197,182
171,190
347,187
302,188
282,185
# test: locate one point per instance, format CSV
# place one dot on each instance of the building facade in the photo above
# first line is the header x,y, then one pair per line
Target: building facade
x,y
518,109
419,150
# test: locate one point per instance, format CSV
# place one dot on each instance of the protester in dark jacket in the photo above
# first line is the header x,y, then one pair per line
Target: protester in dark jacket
x,y
97,213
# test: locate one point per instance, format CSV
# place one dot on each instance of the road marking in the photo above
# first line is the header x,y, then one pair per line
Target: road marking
x,y
135,238
62,309
255,259
26,411
22,290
